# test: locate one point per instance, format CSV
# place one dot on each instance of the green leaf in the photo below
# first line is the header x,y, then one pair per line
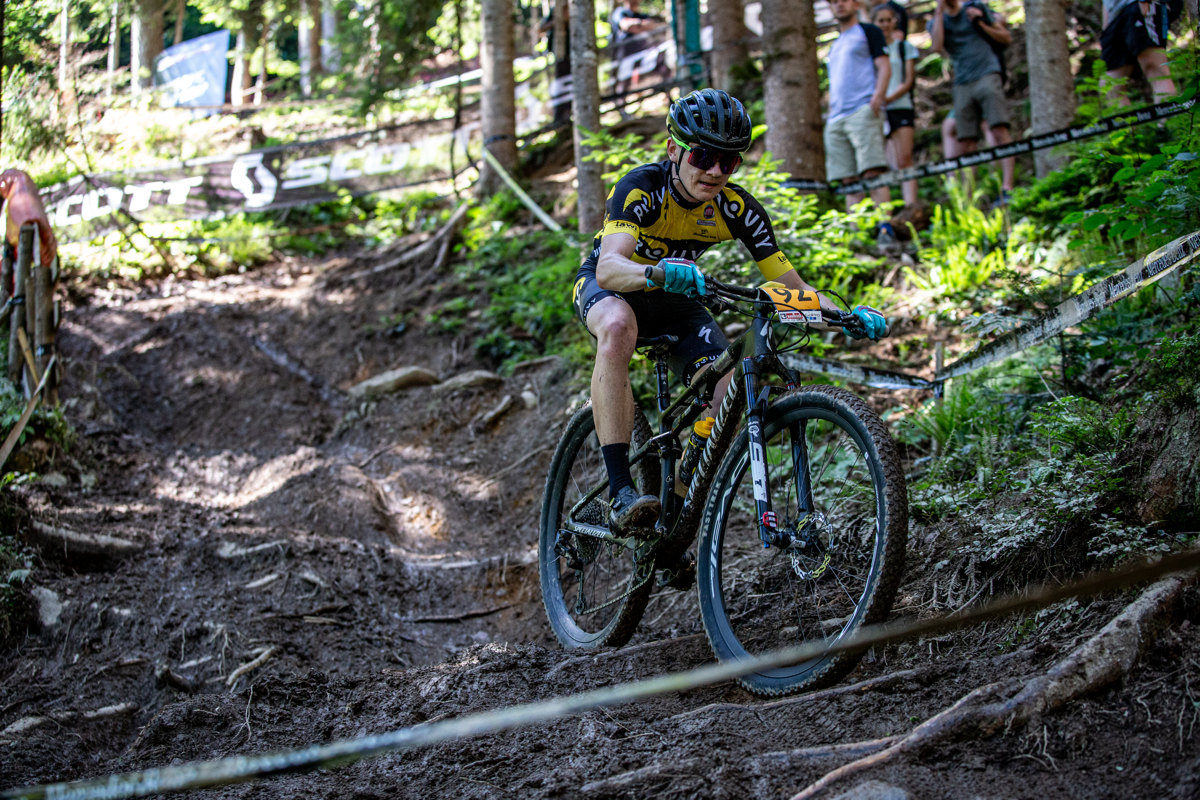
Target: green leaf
x,y
1095,221
1153,191
1152,164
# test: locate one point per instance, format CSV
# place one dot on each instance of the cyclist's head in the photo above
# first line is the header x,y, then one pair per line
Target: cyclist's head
x,y
710,117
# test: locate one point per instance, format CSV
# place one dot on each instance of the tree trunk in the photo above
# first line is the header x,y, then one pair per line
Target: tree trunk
x,y
114,49
331,57
64,45
1051,84
562,60
585,103
180,16
310,45
791,88
498,103
145,35
260,85
730,44
248,34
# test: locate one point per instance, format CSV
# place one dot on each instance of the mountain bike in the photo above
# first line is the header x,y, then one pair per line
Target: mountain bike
x,y
798,497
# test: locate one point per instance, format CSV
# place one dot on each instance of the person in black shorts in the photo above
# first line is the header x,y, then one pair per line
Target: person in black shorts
x,y
667,214
1135,35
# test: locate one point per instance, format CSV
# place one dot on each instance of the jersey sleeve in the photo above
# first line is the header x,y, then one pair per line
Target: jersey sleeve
x,y
752,227
629,207
876,44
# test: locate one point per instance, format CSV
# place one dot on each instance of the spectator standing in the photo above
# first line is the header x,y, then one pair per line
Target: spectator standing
x,y
858,79
901,117
1135,34
20,196
627,21
950,144
963,32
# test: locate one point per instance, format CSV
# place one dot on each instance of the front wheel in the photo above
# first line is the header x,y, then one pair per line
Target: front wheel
x,y
592,587
839,497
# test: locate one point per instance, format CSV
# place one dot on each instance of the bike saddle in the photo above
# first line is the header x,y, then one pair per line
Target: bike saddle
x,y
656,341
659,346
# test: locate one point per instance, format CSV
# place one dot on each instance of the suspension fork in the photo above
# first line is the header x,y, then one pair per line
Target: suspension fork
x,y
804,498
756,413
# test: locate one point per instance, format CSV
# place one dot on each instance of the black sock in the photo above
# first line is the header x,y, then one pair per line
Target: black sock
x,y
616,461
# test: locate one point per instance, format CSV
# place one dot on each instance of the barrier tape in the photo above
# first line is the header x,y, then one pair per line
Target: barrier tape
x,y
537,210
1070,312
866,376
240,769
1038,142
1144,271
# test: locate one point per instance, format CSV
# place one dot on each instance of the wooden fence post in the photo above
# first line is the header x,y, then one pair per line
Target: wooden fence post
x,y
17,318
43,324
6,269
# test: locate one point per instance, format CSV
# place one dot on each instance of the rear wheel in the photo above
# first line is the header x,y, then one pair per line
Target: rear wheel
x,y
592,590
843,565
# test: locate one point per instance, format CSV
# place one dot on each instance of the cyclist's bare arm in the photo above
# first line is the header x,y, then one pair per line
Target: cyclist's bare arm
x,y
615,268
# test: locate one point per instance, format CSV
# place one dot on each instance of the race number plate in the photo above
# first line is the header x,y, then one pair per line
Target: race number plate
x,y
794,307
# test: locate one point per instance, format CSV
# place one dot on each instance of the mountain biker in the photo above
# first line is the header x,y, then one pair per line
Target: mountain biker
x,y
668,213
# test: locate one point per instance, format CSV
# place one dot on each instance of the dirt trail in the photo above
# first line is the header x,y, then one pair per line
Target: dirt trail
x,y
308,567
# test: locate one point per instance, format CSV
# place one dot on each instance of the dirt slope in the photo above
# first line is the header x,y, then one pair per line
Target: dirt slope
x,y
375,562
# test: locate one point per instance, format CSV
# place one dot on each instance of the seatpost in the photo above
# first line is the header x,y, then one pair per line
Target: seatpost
x,y
661,375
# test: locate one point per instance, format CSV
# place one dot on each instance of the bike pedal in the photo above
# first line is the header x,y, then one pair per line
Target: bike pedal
x,y
682,576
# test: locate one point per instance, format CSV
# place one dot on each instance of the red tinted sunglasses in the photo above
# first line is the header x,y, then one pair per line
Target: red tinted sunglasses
x,y
703,157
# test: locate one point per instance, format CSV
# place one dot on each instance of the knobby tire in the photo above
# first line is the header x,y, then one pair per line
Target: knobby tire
x,y
755,599
614,597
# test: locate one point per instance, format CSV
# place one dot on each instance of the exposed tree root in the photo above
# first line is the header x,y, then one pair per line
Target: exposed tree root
x,y
862,687
1106,657
437,244
770,762
26,724
627,781
478,612
250,666
69,544
639,649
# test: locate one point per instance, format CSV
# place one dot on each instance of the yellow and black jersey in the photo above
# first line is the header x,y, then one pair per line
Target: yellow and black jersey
x,y
645,205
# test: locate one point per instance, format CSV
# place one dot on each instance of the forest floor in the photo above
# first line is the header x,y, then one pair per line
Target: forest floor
x,y
304,567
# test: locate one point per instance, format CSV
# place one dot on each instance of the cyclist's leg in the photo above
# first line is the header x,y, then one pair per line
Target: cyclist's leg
x,y
614,325
610,318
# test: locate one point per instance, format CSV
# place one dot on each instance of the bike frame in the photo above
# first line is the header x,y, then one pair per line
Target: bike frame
x,y
751,357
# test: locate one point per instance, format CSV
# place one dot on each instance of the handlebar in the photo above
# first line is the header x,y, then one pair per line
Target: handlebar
x,y
716,291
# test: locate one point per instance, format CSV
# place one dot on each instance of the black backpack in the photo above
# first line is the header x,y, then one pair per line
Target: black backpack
x,y
997,48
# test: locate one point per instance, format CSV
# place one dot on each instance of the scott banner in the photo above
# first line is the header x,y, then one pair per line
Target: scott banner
x,y
270,178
